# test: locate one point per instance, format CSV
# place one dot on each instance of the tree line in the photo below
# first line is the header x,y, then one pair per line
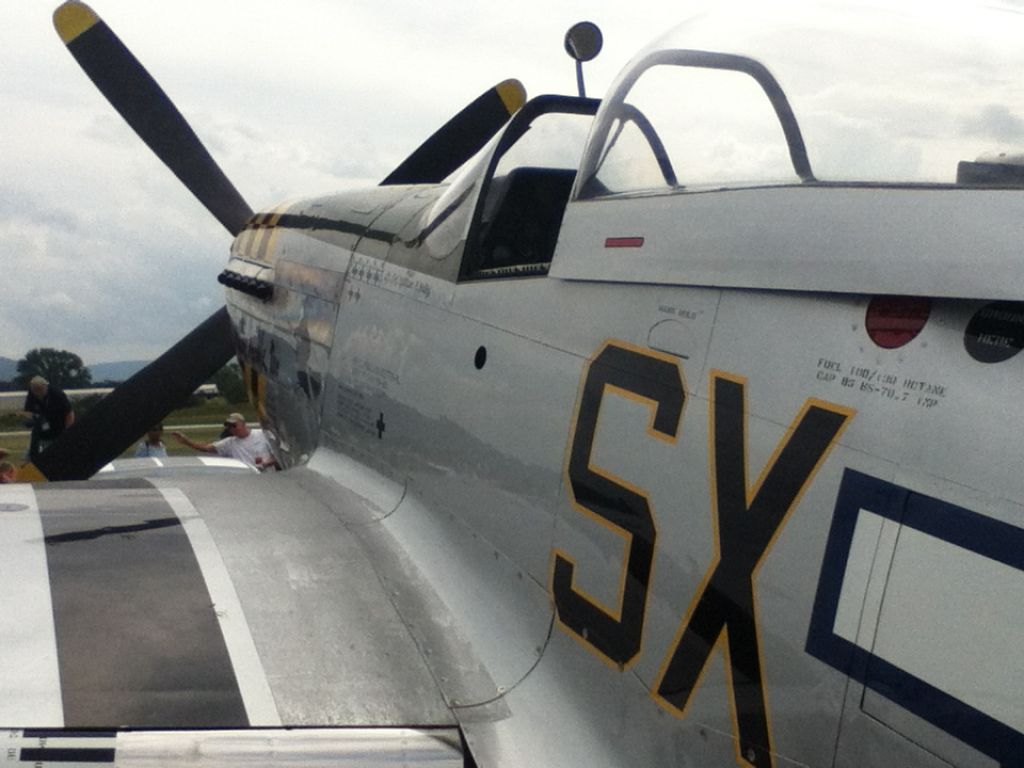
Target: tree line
x,y
65,370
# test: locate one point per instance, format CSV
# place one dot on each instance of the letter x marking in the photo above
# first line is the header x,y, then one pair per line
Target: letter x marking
x,y
746,531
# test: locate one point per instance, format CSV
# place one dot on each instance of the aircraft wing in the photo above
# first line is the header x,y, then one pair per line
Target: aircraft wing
x,y
220,601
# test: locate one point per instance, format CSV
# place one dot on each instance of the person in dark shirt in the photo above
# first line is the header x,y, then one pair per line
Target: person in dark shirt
x,y
51,414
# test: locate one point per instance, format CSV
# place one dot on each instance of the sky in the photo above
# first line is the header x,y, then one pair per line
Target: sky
x,y
104,253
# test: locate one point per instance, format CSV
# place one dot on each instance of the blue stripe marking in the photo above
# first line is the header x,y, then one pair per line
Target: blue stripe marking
x,y
964,528
61,733
66,755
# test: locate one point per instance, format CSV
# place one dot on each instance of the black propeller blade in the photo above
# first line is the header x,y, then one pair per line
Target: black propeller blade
x,y
118,420
461,137
148,396
146,108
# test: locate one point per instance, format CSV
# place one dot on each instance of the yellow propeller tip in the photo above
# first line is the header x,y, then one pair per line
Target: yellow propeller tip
x,y
28,473
512,93
72,19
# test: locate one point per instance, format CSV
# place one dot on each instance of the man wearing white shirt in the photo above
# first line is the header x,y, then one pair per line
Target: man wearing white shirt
x,y
242,443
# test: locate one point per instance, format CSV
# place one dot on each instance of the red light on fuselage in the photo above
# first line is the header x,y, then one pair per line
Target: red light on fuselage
x,y
892,321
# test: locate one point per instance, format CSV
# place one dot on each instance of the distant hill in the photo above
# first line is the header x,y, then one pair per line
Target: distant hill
x,y
115,371
100,371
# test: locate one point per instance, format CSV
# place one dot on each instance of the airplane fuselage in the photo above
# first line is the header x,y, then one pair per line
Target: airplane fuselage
x,y
734,502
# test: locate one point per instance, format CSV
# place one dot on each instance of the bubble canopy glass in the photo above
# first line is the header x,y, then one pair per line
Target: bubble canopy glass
x,y
761,94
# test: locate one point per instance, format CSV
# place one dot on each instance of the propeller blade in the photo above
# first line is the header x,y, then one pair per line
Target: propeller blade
x,y
143,104
119,419
461,137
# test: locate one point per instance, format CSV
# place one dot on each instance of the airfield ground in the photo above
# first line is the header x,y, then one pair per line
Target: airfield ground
x,y
202,423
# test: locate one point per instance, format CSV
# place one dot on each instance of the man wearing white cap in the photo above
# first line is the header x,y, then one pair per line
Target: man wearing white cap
x,y
242,443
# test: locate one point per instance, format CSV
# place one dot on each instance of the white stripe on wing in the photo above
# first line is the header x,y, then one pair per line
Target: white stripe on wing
x,y
29,676
252,681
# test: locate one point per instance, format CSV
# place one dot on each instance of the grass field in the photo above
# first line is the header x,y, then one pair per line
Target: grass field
x,y
210,413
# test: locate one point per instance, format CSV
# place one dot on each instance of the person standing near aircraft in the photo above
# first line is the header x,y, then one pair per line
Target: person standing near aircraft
x,y
153,445
51,414
244,444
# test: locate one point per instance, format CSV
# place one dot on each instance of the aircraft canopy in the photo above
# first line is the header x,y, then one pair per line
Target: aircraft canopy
x,y
757,94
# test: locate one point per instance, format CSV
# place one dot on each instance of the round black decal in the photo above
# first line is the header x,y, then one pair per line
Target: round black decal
x,y
996,332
